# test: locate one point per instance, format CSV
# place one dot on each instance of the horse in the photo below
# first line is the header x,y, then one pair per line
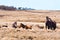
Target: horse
x,y
50,24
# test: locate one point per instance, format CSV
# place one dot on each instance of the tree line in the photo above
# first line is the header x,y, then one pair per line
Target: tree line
x,y
3,7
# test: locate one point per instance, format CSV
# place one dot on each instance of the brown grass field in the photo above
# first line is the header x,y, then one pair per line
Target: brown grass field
x,y
29,17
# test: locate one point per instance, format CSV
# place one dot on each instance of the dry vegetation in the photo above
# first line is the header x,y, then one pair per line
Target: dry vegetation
x,y
36,18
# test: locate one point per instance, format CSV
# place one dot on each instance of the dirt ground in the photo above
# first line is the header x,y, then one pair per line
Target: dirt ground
x,y
29,17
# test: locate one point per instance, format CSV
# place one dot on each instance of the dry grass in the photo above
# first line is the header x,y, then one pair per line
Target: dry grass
x,y
14,34
32,17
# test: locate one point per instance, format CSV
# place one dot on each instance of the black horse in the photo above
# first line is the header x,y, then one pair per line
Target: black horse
x,y
50,24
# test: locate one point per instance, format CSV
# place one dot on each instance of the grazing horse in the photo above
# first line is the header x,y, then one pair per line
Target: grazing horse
x,y
25,26
50,24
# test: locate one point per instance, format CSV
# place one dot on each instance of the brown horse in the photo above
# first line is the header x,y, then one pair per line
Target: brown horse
x,y
25,26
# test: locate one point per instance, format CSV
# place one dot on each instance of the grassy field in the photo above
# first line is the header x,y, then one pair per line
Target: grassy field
x,y
29,17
